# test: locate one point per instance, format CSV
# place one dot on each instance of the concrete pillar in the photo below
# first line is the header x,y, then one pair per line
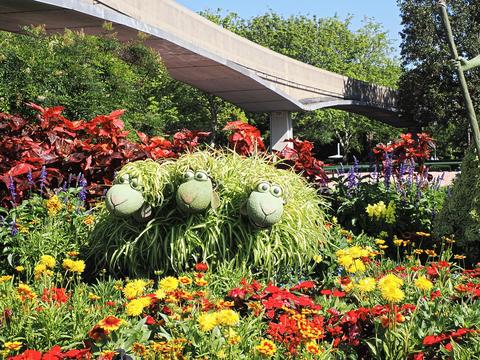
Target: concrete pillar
x,y
280,129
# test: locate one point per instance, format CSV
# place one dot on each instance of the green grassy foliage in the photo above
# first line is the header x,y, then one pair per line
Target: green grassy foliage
x,y
460,215
173,240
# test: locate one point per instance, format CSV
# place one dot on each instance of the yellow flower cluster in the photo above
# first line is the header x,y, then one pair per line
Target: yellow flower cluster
x,y
390,288
366,284
53,205
350,258
380,211
267,348
44,267
168,284
226,317
135,307
77,266
12,345
134,288
5,278
423,283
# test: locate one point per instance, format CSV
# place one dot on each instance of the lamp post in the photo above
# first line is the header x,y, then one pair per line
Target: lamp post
x,y
460,71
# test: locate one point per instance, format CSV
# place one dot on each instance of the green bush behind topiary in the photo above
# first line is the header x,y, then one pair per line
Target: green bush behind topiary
x,y
173,240
460,215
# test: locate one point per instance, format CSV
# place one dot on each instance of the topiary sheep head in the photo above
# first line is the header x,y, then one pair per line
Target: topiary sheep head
x,y
264,206
137,187
196,193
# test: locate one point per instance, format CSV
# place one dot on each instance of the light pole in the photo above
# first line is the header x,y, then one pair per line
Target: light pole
x,y
462,66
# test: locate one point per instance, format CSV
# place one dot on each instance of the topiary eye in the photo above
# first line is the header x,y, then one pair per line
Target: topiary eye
x,y
201,176
276,191
263,187
124,179
188,175
136,184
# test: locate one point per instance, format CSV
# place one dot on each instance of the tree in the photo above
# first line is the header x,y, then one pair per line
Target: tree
x,y
330,44
429,89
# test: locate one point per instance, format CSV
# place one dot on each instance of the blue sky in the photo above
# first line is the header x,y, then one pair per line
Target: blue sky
x,y
384,12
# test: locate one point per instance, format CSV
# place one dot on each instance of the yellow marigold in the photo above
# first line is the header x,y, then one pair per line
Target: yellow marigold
x,y
379,241
418,251
139,349
232,337
392,294
53,205
185,280
317,258
207,321
201,282
12,345
398,242
41,270
423,234
423,283
5,278
77,266
19,268
26,292
312,347
168,284
48,261
228,317
390,280
160,294
267,348
356,267
94,297
89,220
431,253
108,354
111,323
135,307
366,284
345,260
134,288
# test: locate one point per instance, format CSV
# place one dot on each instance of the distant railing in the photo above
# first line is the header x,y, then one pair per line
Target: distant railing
x,y
432,165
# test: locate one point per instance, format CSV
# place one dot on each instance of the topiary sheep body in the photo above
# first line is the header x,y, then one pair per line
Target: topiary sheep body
x,y
248,211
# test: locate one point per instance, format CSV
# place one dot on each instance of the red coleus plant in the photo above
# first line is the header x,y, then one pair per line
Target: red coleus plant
x,y
407,149
245,139
301,158
51,149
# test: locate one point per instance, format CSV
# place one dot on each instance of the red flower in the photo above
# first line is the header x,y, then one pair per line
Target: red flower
x,y
150,320
201,267
304,285
418,356
27,355
98,333
56,295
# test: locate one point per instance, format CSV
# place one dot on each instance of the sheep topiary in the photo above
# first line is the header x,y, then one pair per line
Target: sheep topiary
x,y
208,205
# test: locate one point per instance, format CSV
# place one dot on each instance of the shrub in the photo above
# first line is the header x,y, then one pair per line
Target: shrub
x,y
460,216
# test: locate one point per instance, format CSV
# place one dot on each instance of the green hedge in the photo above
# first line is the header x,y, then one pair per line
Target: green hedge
x,y
460,215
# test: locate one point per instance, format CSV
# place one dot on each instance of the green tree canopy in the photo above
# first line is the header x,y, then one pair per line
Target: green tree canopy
x,y
429,88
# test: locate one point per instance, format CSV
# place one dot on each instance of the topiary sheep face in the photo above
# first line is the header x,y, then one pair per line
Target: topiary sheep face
x,y
265,205
196,193
125,197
